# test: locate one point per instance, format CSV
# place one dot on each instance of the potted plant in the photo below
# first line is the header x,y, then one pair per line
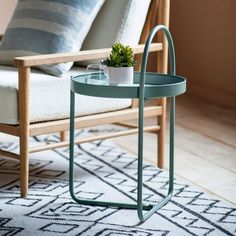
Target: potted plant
x,y
120,64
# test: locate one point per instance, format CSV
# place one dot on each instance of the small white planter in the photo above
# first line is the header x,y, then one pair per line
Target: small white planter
x,y
120,75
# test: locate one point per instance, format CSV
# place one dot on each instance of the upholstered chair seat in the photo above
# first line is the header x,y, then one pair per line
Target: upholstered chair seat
x,y
49,97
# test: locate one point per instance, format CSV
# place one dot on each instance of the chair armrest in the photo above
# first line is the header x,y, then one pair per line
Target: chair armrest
x,y
1,36
75,56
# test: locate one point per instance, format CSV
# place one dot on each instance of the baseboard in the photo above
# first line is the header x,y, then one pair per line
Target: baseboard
x,y
212,95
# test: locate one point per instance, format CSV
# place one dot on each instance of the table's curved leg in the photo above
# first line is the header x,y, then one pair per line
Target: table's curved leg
x,y
163,28
141,215
139,206
71,170
72,130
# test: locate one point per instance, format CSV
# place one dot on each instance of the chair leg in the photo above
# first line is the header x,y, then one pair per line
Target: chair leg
x,y
161,144
63,135
161,135
24,125
24,165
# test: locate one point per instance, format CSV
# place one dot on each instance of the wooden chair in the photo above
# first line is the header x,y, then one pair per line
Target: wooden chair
x,y
158,14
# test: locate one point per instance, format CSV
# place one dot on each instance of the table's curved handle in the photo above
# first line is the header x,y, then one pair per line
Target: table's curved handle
x,y
146,52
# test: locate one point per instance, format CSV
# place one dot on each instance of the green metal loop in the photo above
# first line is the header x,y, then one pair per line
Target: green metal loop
x,y
146,52
142,216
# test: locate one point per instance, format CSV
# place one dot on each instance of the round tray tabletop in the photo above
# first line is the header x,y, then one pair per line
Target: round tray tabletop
x,y
156,85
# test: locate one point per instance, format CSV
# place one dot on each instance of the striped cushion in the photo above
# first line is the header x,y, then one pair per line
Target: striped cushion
x,y
48,26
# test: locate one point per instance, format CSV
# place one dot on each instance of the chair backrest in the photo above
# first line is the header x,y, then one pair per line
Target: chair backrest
x,y
121,21
158,14
118,21
128,22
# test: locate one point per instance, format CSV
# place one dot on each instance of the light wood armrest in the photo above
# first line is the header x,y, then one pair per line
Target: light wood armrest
x,y
76,56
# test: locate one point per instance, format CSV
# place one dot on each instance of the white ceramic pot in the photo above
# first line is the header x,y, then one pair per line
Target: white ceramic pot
x,y
121,75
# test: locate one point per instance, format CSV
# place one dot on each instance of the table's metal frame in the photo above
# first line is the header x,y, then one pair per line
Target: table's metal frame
x,y
139,206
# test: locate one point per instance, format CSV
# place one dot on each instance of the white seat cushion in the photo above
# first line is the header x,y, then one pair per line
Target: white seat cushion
x,y
49,97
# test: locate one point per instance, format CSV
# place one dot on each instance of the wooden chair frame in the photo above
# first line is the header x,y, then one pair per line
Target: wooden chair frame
x,y
158,14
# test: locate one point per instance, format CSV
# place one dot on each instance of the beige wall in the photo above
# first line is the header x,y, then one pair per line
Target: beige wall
x,y
204,33
6,10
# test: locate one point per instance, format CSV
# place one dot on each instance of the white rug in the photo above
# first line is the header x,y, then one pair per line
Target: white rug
x,y
104,172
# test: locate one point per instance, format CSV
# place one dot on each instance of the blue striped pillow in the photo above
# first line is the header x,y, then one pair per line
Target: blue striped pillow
x,y
48,26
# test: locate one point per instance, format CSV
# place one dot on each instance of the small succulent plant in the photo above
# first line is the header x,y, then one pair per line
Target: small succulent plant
x,y
121,56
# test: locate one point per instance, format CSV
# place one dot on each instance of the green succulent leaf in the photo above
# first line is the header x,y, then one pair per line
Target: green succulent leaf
x,y
120,56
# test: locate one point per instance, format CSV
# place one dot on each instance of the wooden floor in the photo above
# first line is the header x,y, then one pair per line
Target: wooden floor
x,y
205,147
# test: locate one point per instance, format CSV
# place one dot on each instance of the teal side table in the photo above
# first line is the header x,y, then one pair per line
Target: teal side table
x,y
145,86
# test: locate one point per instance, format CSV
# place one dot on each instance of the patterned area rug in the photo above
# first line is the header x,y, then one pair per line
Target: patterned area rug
x,y
105,172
